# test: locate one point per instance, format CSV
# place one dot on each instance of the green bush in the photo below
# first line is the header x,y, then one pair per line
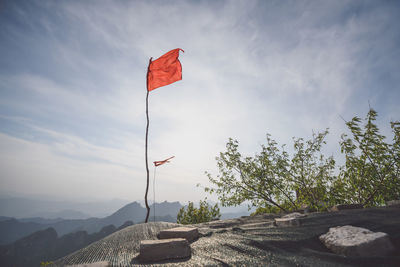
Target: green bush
x,y
370,175
273,178
45,263
267,209
274,181
204,213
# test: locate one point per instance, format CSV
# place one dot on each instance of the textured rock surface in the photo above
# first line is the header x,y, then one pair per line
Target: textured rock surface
x,y
164,249
189,233
357,242
94,264
255,246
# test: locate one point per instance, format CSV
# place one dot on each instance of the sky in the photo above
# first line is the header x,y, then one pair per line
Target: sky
x,y
73,87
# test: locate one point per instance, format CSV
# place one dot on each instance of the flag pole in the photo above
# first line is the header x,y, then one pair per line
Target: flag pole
x,y
147,134
154,194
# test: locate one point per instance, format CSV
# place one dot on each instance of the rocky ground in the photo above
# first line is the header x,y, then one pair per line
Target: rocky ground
x,y
252,241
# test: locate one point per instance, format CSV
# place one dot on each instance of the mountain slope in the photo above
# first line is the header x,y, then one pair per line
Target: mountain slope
x,y
44,245
13,229
23,207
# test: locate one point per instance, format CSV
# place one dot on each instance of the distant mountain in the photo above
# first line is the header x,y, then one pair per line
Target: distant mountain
x,y
24,207
132,211
165,211
5,218
13,229
29,250
44,245
41,220
167,208
63,214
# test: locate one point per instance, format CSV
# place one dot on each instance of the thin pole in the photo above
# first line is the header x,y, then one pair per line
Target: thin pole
x,y
154,194
147,134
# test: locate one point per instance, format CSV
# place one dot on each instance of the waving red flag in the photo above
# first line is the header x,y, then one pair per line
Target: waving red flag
x,y
158,163
165,70
160,72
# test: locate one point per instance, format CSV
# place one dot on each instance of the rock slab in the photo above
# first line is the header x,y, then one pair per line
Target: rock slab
x,y
189,233
164,249
93,264
287,222
354,241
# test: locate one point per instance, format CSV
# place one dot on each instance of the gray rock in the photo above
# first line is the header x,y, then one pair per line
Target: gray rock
x,y
393,203
93,264
356,242
189,233
287,222
164,249
346,207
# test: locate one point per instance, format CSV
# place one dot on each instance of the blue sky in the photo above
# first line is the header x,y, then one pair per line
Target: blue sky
x,y
72,86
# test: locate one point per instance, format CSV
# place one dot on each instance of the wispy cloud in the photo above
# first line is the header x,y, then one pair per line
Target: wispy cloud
x,y
72,85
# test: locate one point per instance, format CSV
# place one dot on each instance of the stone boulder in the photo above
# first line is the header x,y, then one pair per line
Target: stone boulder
x,y
164,249
189,233
346,207
356,242
393,203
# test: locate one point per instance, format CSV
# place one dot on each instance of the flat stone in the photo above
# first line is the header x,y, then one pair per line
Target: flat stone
x,y
287,222
189,233
164,249
346,207
224,223
393,203
354,241
294,215
93,264
257,225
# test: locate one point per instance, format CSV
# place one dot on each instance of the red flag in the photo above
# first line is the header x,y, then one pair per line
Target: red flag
x,y
158,163
165,70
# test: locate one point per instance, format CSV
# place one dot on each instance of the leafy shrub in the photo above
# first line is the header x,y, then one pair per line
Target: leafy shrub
x,y
272,179
46,263
371,173
204,213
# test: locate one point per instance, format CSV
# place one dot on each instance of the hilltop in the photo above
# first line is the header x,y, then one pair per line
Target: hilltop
x,y
252,240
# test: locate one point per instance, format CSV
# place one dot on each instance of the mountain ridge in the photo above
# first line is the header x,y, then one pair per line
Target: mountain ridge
x,y
12,229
